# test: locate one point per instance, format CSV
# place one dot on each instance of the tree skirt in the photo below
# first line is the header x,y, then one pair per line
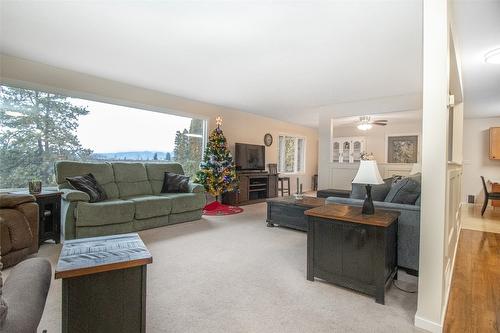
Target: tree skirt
x,y
216,208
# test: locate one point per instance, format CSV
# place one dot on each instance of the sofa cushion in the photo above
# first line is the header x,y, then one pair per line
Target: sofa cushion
x,y
379,192
103,173
175,183
156,173
406,191
147,206
185,202
88,184
104,212
131,179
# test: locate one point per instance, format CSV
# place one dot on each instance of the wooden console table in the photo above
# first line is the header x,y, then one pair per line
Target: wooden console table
x,y
104,284
352,250
254,187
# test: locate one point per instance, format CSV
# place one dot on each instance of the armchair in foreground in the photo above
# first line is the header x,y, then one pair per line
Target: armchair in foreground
x,y
18,227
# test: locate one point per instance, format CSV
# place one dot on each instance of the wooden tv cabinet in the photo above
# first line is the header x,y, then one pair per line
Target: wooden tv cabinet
x,y
254,187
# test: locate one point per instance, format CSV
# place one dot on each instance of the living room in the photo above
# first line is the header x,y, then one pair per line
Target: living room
x,y
357,127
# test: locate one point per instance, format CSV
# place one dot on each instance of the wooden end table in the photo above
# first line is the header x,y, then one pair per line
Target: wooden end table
x,y
49,211
104,284
289,212
352,250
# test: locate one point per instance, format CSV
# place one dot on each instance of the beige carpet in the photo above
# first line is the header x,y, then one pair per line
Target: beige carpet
x,y
233,274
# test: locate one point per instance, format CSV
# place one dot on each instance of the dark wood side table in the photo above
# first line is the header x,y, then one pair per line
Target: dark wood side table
x,y
49,223
104,284
352,250
289,212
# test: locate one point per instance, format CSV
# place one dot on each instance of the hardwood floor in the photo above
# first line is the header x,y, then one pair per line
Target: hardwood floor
x,y
474,303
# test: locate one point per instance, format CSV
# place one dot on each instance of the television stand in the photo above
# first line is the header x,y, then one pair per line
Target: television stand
x,y
254,187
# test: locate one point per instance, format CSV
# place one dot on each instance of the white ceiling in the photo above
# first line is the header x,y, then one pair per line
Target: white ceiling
x,y
391,117
275,58
477,31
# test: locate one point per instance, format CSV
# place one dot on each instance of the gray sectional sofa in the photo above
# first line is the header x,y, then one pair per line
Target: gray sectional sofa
x,y
134,200
408,223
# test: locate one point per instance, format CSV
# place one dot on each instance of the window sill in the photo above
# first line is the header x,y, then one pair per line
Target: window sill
x,y
292,173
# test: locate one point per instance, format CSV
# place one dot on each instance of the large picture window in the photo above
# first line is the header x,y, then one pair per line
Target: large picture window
x,y
291,154
38,128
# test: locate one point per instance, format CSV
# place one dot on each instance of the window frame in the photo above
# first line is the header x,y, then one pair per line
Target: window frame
x,y
296,137
107,100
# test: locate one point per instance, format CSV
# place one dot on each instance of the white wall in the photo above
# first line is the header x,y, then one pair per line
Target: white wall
x,y
377,135
238,126
475,155
340,175
441,181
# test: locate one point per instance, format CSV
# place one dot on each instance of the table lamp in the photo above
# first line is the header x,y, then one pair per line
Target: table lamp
x,y
369,175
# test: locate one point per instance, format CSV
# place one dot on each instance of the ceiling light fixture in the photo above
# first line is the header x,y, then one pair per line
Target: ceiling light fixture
x,y
365,123
493,57
364,126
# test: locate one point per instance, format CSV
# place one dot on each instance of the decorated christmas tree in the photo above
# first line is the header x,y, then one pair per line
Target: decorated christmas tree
x,y
217,171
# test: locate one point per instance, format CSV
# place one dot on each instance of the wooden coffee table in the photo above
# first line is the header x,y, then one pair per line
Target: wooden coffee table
x,y
289,212
104,284
352,250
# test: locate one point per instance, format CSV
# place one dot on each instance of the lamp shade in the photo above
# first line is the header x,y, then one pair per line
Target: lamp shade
x,y
368,173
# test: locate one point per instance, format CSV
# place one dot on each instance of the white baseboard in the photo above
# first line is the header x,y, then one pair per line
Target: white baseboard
x,y
428,325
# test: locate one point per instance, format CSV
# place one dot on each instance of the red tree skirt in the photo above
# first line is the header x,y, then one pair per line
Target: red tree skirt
x,y
216,208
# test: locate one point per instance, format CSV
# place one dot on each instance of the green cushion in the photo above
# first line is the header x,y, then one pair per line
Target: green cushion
x,y
185,202
74,195
196,188
103,230
156,173
103,172
147,206
104,212
131,179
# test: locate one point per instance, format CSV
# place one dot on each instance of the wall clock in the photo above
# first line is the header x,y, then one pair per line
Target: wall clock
x,y
268,139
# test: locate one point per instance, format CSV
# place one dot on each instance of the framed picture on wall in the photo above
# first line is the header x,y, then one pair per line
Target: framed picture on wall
x,y
402,149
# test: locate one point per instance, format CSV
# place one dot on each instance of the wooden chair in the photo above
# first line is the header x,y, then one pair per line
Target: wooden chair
x,y
488,196
273,170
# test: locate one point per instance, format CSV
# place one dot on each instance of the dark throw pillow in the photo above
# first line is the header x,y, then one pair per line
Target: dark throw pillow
x,y
379,192
88,184
175,183
406,191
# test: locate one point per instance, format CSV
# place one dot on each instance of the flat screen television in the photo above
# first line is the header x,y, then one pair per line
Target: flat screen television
x,y
249,157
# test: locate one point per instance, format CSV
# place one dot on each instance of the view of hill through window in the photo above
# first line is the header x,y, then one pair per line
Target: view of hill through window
x,y
38,128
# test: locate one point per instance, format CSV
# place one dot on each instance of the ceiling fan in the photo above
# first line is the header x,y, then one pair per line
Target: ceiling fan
x,y
365,123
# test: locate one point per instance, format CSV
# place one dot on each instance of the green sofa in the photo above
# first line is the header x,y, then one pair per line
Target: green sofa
x,y
134,199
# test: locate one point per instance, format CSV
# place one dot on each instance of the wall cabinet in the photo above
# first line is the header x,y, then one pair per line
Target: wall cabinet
x,y
495,143
347,149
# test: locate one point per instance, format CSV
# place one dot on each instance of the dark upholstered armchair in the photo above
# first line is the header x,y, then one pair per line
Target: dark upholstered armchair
x,y
18,227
